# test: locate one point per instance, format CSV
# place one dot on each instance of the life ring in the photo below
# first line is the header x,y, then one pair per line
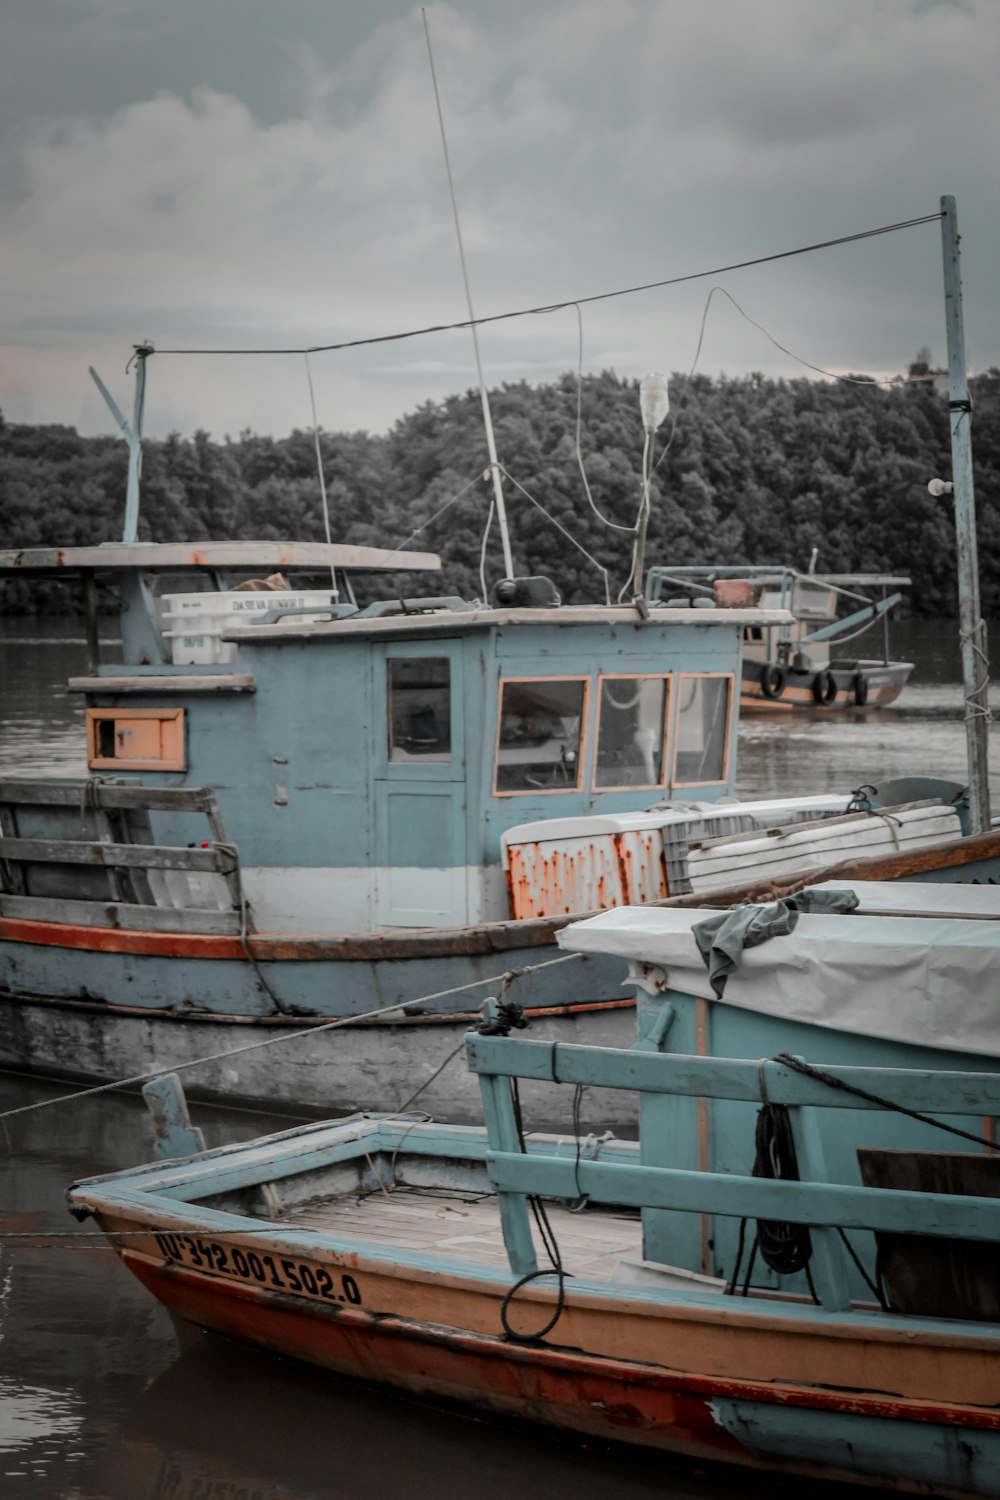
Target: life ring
x,y
824,688
860,689
772,681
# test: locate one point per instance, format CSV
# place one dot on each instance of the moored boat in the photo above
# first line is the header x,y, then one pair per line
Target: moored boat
x,y
850,1329
797,664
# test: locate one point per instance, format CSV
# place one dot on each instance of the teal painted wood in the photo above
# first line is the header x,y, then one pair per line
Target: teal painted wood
x,y
936,1215
871,612
501,1128
668,1136
731,1078
734,1033
937,1458
160,1194
828,1265
175,1135
315,728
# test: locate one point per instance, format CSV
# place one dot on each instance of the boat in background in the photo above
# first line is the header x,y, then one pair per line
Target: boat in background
x,y
847,1325
798,664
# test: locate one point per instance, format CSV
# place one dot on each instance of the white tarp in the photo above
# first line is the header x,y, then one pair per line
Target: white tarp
x,y
928,980
918,898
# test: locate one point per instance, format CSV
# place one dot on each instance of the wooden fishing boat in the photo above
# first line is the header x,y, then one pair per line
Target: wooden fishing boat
x,y
797,664
544,1277
350,864
355,770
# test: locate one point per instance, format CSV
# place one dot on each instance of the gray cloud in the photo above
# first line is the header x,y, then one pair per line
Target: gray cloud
x,y
289,188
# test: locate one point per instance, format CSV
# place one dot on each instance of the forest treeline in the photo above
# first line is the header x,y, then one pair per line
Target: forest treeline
x,y
757,470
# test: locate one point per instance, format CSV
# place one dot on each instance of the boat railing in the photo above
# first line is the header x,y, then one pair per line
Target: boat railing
x,y
813,1201
83,853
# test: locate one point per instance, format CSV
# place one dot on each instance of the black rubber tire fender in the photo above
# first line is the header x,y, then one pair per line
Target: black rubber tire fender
x,y
860,689
824,688
772,680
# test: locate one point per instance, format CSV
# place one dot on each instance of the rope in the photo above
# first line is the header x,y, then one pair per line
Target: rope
x,y
307,1031
549,1242
550,307
560,527
322,478
976,639
279,1005
808,1071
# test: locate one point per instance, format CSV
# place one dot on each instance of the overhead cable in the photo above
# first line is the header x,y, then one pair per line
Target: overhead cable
x,y
549,307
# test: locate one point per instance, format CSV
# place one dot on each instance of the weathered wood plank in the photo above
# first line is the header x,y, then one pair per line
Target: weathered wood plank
x,y
139,856
813,1203
928,1091
104,794
11,876
231,682
119,914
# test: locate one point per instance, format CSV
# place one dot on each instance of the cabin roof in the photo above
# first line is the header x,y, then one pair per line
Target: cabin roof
x,y
176,557
452,622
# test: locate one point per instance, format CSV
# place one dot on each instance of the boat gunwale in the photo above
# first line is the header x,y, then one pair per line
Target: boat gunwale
x,y
122,1194
497,936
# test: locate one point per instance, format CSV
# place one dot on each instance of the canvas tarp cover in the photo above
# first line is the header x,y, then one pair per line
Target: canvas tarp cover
x,y
927,980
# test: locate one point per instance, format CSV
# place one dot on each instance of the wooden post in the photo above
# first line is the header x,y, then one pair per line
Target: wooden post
x,y
975,663
90,621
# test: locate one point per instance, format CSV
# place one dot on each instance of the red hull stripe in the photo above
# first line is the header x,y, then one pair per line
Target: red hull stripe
x,y
540,1380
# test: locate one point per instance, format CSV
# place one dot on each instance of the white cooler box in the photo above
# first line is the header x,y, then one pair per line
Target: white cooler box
x,y
195,623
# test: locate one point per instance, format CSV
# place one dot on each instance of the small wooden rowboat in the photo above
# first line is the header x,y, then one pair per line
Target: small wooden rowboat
x,y
412,1254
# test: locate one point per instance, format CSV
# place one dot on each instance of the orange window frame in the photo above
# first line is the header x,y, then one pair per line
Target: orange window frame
x,y
682,677
665,748
542,791
171,755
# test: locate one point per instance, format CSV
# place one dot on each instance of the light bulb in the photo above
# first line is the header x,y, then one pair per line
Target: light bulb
x,y
654,402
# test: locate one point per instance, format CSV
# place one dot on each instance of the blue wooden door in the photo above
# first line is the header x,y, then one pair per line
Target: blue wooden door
x,y
420,843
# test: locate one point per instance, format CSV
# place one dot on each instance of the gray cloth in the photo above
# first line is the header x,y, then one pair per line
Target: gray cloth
x,y
722,938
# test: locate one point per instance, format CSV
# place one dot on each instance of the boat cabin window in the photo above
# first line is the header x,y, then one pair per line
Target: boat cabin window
x,y
631,723
135,739
419,700
702,740
539,740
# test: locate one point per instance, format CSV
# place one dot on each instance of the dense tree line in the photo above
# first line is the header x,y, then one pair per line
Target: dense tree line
x,y
756,470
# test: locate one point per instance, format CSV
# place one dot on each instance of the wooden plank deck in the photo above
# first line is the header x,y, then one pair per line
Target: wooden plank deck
x,y
590,1242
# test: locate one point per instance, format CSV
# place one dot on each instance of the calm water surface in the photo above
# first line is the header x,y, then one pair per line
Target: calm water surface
x,y
96,1402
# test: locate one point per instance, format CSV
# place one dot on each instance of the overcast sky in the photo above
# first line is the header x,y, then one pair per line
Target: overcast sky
x,y
247,172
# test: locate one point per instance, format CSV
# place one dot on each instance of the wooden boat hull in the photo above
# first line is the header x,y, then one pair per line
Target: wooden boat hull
x,y
374,1065
89,1003
860,684
907,1436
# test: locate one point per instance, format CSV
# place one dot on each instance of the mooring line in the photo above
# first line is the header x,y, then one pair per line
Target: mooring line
x,y
306,1031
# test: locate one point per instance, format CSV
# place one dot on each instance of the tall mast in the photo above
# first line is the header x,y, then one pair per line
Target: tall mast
x,y
491,446
975,662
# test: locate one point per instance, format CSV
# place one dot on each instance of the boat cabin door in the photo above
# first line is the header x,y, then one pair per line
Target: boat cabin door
x,y
419,791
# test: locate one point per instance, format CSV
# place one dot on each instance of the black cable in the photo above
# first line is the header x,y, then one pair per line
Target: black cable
x,y
527,312
875,1287
807,1071
550,1243
785,1247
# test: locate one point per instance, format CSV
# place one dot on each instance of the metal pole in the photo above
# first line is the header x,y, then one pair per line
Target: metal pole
x,y
975,663
130,531
491,446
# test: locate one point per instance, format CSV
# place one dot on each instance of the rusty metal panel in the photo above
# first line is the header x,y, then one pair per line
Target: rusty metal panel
x,y
551,877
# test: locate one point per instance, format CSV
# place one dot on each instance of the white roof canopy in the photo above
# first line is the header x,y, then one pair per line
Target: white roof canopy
x,y
177,556
930,980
